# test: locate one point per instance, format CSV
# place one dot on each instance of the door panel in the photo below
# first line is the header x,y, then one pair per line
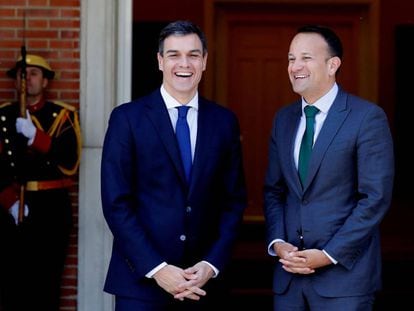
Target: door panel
x,y
251,68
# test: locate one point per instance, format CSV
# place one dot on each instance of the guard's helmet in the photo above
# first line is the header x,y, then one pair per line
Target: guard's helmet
x,y
32,60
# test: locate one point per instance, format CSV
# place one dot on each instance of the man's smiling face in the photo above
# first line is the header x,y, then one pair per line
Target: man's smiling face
x,y
182,64
311,68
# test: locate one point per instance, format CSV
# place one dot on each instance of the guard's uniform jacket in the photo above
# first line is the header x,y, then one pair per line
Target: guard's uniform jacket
x,y
49,161
45,168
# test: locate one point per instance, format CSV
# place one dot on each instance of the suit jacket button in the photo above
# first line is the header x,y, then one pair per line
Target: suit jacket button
x,y
188,209
304,202
183,237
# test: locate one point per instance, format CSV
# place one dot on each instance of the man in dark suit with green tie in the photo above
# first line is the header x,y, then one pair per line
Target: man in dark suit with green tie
x,y
326,193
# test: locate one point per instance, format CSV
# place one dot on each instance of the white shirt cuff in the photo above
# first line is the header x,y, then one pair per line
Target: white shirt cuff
x,y
270,249
330,258
155,270
216,272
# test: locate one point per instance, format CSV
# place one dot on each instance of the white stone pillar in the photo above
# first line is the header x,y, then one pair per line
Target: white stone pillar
x,y
106,49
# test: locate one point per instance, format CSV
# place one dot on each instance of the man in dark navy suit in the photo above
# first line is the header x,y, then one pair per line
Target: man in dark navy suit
x,y
323,214
173,224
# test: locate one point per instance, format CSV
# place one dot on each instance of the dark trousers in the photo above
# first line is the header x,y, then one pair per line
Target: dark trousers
x,y
33,253
217,297
301,296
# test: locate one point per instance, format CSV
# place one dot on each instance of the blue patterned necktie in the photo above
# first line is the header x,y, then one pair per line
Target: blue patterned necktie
x,y
182,131
307,142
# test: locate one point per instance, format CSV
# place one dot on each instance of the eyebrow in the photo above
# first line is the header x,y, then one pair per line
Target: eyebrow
x,y
191,51
302,54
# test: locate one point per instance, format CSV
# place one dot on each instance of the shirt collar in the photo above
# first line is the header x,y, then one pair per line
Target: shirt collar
x,y
171,102
39,105
326,101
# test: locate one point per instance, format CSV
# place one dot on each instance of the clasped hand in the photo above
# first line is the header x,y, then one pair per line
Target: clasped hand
x,y
301,262
184,283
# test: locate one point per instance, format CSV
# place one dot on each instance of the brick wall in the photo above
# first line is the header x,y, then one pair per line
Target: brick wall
x,y
51,29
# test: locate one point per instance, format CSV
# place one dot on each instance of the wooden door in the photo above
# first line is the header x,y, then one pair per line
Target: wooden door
x,y
250,70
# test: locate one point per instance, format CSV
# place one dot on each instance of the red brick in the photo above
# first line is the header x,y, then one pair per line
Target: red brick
x,y
37,44
70,75
7,34
60,44
37,12
44,34
71,3
7,95
72,54
70,13
10,23
67,281
37,23
67,34
7,83
69,64
65,85
6,55
67,23
72,260
15,2
38,2
68,291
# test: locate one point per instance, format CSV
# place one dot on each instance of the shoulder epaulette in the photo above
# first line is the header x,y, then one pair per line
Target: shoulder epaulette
x,y
64,105
5,104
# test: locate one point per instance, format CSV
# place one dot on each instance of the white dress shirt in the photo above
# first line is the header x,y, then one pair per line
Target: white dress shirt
x,y
171,103
323,104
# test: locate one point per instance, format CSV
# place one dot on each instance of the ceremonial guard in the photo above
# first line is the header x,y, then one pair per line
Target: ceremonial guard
x,y
40,147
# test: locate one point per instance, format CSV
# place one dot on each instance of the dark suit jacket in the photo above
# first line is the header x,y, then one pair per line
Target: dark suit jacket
x,y
152,212
347,193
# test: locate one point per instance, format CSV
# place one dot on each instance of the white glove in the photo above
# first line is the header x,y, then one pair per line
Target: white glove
x,y
26,127
14,211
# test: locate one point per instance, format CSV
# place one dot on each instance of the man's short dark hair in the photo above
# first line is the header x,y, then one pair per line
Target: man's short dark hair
x,y
181,28
331,38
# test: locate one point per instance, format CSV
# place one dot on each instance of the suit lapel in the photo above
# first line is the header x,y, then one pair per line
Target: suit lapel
x,y
202,143
291,130
158,114
334,120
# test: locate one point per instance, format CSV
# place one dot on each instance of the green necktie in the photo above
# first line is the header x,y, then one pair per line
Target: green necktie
x,y
307,142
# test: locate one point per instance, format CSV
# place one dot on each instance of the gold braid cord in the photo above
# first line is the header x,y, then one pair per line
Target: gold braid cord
x,y
58,128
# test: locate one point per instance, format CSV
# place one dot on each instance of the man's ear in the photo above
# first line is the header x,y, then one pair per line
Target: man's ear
x,y
205,61
160,62
334,64
45,82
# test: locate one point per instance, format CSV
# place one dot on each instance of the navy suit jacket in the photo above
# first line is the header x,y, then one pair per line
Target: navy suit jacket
x,y
153,214
346,195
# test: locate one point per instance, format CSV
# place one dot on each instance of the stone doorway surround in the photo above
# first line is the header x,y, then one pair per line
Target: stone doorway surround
x,y
106,48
